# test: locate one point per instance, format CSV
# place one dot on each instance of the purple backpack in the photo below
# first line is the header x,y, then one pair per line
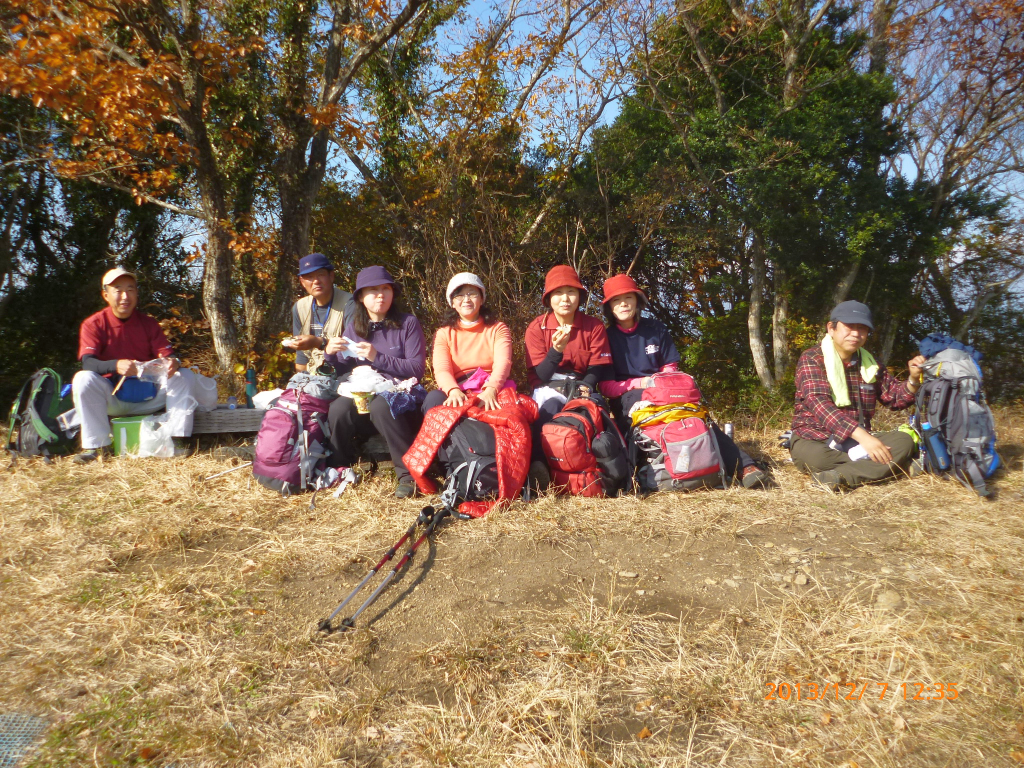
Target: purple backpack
x,y
291,446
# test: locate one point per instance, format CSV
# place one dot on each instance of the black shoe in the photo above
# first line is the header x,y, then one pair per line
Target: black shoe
x,y
828,480
539,477
91,455
755,477
406,489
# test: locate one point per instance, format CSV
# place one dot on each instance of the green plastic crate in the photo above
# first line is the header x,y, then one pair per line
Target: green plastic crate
x,y
126,434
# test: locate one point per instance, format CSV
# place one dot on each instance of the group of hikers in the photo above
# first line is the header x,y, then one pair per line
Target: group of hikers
x,y
615,362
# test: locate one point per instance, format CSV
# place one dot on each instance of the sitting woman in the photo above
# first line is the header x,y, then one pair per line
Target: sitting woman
x,y
567,354
391,341
472,351
641,347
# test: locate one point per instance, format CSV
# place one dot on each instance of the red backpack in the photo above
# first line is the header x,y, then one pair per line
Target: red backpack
x,y
672,387
681,450
584,450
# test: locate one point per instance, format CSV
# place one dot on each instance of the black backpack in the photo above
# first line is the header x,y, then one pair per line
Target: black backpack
x,y
33,429
467,455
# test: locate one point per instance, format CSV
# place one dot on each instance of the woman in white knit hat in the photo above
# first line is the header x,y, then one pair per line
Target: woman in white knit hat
x,y
472,351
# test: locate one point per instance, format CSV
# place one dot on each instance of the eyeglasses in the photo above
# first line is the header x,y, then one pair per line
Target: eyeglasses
x,y
466,295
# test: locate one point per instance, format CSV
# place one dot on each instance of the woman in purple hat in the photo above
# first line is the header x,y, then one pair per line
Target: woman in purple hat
x,y
392,342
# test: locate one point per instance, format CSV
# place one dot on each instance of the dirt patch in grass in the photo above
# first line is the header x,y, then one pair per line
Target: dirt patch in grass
x,y
155,619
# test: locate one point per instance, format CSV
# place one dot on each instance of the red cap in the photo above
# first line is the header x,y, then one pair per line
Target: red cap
x,y
620,284
563,276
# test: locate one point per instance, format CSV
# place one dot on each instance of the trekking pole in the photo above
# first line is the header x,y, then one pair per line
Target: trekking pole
x,y
434,522
325,625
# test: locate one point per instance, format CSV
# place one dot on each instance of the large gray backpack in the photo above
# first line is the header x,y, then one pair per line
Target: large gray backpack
x,y
957,432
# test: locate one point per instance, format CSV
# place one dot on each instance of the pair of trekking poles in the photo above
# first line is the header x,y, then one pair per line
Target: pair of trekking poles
x,y
428,516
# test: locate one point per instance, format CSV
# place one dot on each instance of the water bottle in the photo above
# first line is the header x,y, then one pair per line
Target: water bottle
x,y
232,403
729,431
935,447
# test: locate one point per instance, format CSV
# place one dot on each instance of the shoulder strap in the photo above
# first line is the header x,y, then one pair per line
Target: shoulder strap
x,y
336,318
16,407
305,310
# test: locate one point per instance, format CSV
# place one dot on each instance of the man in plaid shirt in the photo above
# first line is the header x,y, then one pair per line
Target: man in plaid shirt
x,y
834,441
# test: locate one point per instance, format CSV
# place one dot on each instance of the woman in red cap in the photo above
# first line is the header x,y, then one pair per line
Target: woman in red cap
x,y
563,345
642,346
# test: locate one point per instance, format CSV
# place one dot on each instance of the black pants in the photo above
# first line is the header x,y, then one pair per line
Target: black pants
x,y
434,398
734,458
350,429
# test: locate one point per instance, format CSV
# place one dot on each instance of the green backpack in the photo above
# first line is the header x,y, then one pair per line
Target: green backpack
x,y
33,429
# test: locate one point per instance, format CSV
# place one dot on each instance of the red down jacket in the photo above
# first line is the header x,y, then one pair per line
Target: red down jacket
x,y
512,442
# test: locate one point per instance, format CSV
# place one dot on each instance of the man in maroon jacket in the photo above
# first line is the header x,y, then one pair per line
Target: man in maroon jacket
x,y
838,385
111,343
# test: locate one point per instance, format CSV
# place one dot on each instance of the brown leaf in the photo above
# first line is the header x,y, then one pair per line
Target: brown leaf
x,y
1020,727
899,723
826,718
148,753
645,733
1018,756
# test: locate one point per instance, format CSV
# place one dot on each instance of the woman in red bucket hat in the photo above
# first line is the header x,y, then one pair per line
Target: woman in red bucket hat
x,y
567,354
641,347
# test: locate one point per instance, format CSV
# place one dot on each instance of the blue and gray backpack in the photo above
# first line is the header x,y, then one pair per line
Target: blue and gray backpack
x,y
958,435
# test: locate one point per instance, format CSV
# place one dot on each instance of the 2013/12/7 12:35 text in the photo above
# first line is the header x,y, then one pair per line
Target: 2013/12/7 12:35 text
x,y
855,691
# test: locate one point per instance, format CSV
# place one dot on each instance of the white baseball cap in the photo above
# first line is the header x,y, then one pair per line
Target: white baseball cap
x,y
112,275
465,278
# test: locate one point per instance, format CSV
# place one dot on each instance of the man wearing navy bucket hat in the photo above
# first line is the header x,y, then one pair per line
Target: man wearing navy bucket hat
x,y
391,341
838,384
320,315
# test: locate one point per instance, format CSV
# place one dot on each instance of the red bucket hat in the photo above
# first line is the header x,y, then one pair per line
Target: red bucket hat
x,y
563,276
620,284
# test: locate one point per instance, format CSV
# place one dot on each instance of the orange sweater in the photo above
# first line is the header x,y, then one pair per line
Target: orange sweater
x,y
460,351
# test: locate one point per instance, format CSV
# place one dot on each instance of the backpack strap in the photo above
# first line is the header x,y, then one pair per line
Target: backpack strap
x,y
12,445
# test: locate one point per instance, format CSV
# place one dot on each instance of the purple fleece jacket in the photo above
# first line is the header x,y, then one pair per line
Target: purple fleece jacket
x,y
401,352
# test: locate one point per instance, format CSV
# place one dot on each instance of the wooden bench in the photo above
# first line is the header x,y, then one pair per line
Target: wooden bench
x,y
243,420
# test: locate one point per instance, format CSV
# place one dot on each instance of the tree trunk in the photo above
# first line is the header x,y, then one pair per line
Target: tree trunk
x,y
757,281
780,331
888,341
217,295
296,209
844,286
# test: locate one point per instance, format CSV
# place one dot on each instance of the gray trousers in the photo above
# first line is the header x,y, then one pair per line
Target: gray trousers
x,y
816,456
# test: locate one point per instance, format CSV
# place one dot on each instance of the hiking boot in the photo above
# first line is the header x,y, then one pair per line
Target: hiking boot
x,y
406,489
828,480
92,454
539,477
755,477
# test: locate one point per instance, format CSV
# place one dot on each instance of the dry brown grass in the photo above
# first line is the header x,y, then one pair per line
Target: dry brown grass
x,y
156,619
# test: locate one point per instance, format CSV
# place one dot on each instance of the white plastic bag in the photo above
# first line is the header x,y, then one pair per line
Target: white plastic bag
x,y
205,391
365,379
155,436
264,400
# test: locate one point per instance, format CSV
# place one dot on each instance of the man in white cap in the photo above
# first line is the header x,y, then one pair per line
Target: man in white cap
x,y
111,343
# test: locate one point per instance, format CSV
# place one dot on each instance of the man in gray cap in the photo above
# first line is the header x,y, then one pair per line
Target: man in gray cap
x,y
838,384
320,315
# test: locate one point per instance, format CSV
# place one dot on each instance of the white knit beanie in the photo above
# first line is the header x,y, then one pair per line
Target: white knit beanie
x,y
465,278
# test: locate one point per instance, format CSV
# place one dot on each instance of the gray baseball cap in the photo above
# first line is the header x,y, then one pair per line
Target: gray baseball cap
x,y
852,313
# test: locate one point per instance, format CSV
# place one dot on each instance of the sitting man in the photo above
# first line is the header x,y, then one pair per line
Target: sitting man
x,y
321,315
837,386
110,343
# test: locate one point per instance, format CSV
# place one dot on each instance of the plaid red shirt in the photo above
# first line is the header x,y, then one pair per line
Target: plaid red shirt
x,y
816,416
